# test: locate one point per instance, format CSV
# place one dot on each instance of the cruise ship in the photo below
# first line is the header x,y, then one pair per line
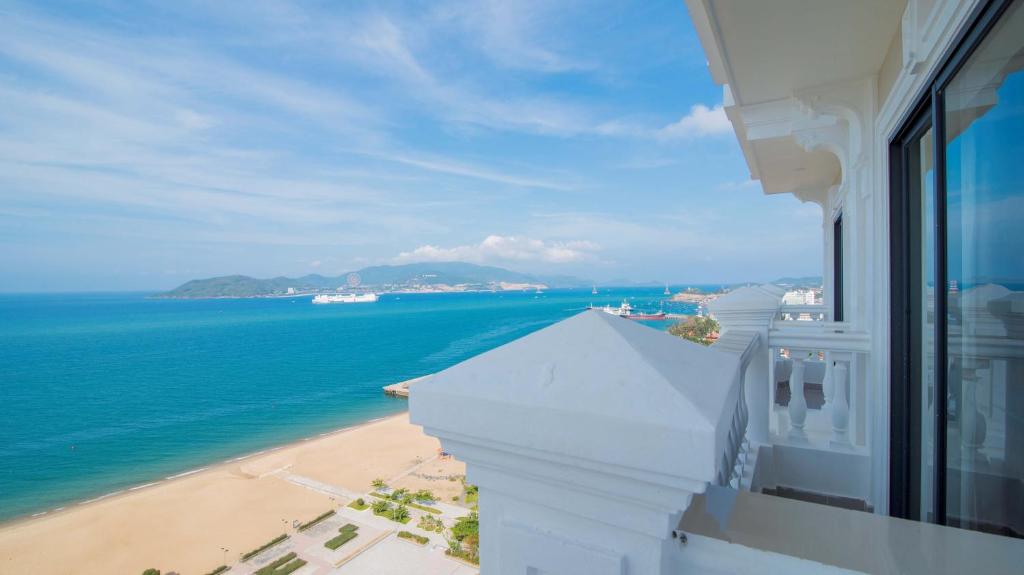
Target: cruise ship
x,y
345,298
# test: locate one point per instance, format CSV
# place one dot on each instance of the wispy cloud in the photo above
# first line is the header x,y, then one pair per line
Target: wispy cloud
x,y
731,185
457,168
210,138
497,249
517,33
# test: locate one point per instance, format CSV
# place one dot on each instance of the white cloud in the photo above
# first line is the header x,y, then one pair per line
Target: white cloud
x,y
701,121
496,248
521,34
731,185
455,168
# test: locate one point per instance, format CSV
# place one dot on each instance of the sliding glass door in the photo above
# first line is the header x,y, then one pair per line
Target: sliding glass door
x,y
958,288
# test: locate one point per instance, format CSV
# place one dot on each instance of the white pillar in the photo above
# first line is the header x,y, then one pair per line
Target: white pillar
x,y
587,440
753,309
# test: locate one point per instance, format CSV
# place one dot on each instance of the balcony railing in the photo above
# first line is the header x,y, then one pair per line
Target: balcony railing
x,y
590,439
842,348
805,312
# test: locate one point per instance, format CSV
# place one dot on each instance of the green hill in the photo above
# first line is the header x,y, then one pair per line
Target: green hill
x,y
376,277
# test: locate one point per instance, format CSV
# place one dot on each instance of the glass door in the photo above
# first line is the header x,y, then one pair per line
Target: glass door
x,y
983,122
957,232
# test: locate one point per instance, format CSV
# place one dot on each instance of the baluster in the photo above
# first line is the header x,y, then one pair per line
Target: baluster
x,y
840,407
797,402
973,426
827,386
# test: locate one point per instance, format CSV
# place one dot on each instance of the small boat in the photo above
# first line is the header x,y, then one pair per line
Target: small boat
x,y
594,291
666,290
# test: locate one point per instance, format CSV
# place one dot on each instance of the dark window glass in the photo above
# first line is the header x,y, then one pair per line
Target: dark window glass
x,y
837,268
984,287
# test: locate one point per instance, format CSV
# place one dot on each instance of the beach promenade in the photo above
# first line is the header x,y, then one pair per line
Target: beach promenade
x,y
195,522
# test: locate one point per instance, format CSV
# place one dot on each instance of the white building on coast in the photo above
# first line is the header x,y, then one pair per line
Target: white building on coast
x,y
602,447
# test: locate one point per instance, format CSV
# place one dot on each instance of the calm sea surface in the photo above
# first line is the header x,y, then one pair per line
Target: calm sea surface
x,y
100,392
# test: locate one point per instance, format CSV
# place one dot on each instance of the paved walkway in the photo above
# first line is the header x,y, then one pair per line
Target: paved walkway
x,y
377,550
322,487
393,556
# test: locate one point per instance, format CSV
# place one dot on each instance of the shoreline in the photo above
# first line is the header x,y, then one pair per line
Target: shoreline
x,y
75,504
195,520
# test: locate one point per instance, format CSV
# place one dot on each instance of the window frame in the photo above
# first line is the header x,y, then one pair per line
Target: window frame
x,y
837,267
927,111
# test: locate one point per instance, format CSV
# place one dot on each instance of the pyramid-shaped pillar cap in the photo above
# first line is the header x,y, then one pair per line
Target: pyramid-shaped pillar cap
x,y
595,388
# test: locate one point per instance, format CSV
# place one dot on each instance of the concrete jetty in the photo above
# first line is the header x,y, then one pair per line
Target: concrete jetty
x,y
401,389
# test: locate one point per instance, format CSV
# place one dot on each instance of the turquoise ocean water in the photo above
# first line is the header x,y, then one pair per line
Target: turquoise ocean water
x,y
101,392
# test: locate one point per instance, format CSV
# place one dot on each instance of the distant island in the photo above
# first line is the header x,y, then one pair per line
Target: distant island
x,y
695,295
418,277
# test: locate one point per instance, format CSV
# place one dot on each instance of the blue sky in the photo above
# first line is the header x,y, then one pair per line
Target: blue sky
x,y
145,144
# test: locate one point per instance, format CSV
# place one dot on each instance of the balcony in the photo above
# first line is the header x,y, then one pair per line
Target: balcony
x,y
601,446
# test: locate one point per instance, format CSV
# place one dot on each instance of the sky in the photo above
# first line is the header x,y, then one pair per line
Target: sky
x,y
143,144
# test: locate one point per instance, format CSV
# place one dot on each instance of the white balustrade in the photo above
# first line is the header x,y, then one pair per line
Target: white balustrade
x,y
751,310
840,409
840,343
803,312
797,402
827,384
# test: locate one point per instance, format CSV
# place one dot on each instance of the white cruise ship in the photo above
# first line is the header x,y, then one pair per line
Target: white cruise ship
x,y
345,298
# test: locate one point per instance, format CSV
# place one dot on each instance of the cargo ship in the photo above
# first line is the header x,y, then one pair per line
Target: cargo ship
x,y
345,298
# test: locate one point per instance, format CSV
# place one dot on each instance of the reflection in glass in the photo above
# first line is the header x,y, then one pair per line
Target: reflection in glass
x,y
984,115
922,225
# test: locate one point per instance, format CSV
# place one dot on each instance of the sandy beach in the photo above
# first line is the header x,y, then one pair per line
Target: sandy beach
x,y
182,524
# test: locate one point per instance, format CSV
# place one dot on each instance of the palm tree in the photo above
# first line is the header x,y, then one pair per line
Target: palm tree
x,y
401,513
379,484
454,545
381,506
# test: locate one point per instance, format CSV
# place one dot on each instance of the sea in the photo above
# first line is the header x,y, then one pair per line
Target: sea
x,y
102,392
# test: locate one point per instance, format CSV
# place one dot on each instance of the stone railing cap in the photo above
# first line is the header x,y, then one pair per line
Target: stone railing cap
x,y
585,385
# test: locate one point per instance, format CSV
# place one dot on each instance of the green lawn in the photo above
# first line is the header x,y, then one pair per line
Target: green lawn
x,y
341,539
282,566
264,547
388,515
320,518
413,537
355,505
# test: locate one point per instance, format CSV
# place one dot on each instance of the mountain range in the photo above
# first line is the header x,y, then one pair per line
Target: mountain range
x,y
395,277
